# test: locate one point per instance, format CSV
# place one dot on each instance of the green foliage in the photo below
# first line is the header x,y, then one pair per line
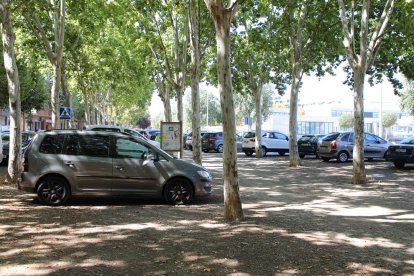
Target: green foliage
x,y
407,98
346,120
33,88
389,119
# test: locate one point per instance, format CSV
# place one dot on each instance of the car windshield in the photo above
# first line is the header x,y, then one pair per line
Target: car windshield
x,y
409,140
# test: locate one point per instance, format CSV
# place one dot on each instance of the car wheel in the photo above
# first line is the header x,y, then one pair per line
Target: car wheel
x,y
53,190
301,155
281,153
326,159
248,153
190,147
342,157
178,191
399,164
263,152
4,162
220,148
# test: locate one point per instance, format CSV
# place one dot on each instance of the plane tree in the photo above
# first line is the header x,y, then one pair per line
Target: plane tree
x,y
259,55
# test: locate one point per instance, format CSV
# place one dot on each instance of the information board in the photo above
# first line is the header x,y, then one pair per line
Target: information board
x,y
171,133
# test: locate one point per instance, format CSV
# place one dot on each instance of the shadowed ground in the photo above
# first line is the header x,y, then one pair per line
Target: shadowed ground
x,y
298,221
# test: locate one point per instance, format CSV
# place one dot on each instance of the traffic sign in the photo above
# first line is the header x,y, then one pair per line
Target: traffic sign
x,y
65,113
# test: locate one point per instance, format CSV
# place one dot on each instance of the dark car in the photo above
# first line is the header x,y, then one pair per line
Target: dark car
x,y
401,153
308,144
26,138
212,141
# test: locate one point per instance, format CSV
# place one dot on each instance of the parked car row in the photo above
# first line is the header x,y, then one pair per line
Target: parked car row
x,y
335,145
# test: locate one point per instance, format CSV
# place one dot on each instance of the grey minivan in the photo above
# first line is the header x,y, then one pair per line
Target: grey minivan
x,y
63,163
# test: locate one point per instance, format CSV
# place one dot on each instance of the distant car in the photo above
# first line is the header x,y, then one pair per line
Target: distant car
x,y
189,140
212,141
340,146
272,141
120,129
63,163
308,144
397,139
402,153
5,137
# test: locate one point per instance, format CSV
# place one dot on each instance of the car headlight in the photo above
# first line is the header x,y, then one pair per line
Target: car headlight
x,y
204,174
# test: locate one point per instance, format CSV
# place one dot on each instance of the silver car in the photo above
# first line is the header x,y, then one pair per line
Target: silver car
x,y
63,163
340,145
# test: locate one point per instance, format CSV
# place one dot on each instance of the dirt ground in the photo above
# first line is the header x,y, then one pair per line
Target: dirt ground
x,y
298,221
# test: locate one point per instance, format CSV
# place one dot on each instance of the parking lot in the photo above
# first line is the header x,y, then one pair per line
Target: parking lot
x,y
298,221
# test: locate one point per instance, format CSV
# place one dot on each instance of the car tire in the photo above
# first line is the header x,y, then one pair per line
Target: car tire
x,y
190,147
220,148
53,190
326,159
281,153
248,153
301,155
263,152
178,191
399,164
342,157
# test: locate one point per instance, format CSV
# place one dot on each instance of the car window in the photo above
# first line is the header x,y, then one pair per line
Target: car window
x,y
307,138
409,140
347,137
52,144
269,135
96,146
127,148
280,136
368,138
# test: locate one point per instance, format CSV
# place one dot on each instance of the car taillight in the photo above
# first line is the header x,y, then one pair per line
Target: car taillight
x,y
253,140
212,139
333,144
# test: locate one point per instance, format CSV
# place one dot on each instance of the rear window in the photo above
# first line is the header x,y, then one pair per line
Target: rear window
x,y
250,135
331,136
52,144
307,138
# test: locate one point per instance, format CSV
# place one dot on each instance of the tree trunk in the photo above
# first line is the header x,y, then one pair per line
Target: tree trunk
x,y
258,91
180,92
195,80
294,160
12,73
166,100
55,95
359,175
66,93
222,21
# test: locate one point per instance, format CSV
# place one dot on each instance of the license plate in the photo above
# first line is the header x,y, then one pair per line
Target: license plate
x,y
400,150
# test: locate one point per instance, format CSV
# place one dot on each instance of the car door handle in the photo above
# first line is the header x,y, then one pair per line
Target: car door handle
x,y
69,164
119,167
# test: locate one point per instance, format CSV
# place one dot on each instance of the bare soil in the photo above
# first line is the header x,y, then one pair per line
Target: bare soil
x,y
297,221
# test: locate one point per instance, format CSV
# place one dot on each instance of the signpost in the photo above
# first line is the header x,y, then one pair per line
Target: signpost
x,y
65,113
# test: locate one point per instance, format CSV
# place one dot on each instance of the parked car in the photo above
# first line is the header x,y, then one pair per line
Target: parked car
x,y
402,153
212,141
5,137
189,140
124,130
340,146
308,144
59,164
272,141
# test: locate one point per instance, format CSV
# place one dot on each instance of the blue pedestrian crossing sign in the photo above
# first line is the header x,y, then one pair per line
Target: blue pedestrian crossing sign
x,y
65,113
